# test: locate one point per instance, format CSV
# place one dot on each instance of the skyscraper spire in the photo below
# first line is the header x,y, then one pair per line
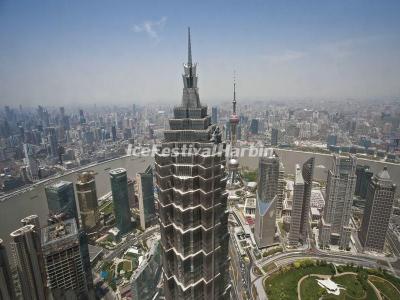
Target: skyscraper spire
x,y
234,180
234,92
189,49
190,97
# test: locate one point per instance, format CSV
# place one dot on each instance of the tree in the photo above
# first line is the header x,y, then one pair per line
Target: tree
x,y
362,277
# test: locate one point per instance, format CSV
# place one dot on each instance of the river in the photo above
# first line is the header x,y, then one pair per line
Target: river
x,y
13,209
34,201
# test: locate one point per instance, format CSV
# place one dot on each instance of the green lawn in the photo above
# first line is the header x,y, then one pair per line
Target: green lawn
x,y
310,290
283,285
134,259
392,279
385,288
249,176
127,266
353,287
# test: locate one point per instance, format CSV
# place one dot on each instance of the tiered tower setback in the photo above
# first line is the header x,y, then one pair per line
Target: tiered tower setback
x,y
192,200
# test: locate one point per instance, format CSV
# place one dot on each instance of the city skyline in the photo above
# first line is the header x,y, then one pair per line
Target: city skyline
x,y
119,181
280,51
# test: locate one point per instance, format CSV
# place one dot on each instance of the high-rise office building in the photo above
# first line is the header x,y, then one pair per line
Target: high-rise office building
x,y
131,194
331,140
82,119
114,133
34,220
87,198
360,169
334,227
87,267
214,115
31,220
254,124
61,201
267,196
53,141
299,221
297,207
377,212
119,189
6,281
192,200
26,256
63,262
145,186
274,136
364,175
281,189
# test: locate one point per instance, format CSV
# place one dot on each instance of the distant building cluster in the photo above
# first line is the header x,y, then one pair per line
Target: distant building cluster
x,y
38,143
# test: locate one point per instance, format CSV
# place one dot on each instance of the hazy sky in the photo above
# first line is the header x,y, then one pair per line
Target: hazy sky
x,y
54,52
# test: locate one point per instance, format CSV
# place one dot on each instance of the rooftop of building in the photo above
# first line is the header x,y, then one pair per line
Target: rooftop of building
x,y
269,153
59,231
315,211
317,199
85,177
59,184
252,184
22,230
384,174
94,252
117,171
298,175
250,203
29,218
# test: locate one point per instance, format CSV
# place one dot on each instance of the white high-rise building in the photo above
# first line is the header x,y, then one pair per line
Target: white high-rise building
x,y
341,183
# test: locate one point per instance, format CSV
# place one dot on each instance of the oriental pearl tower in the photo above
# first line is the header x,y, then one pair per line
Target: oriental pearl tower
x,y
234,181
